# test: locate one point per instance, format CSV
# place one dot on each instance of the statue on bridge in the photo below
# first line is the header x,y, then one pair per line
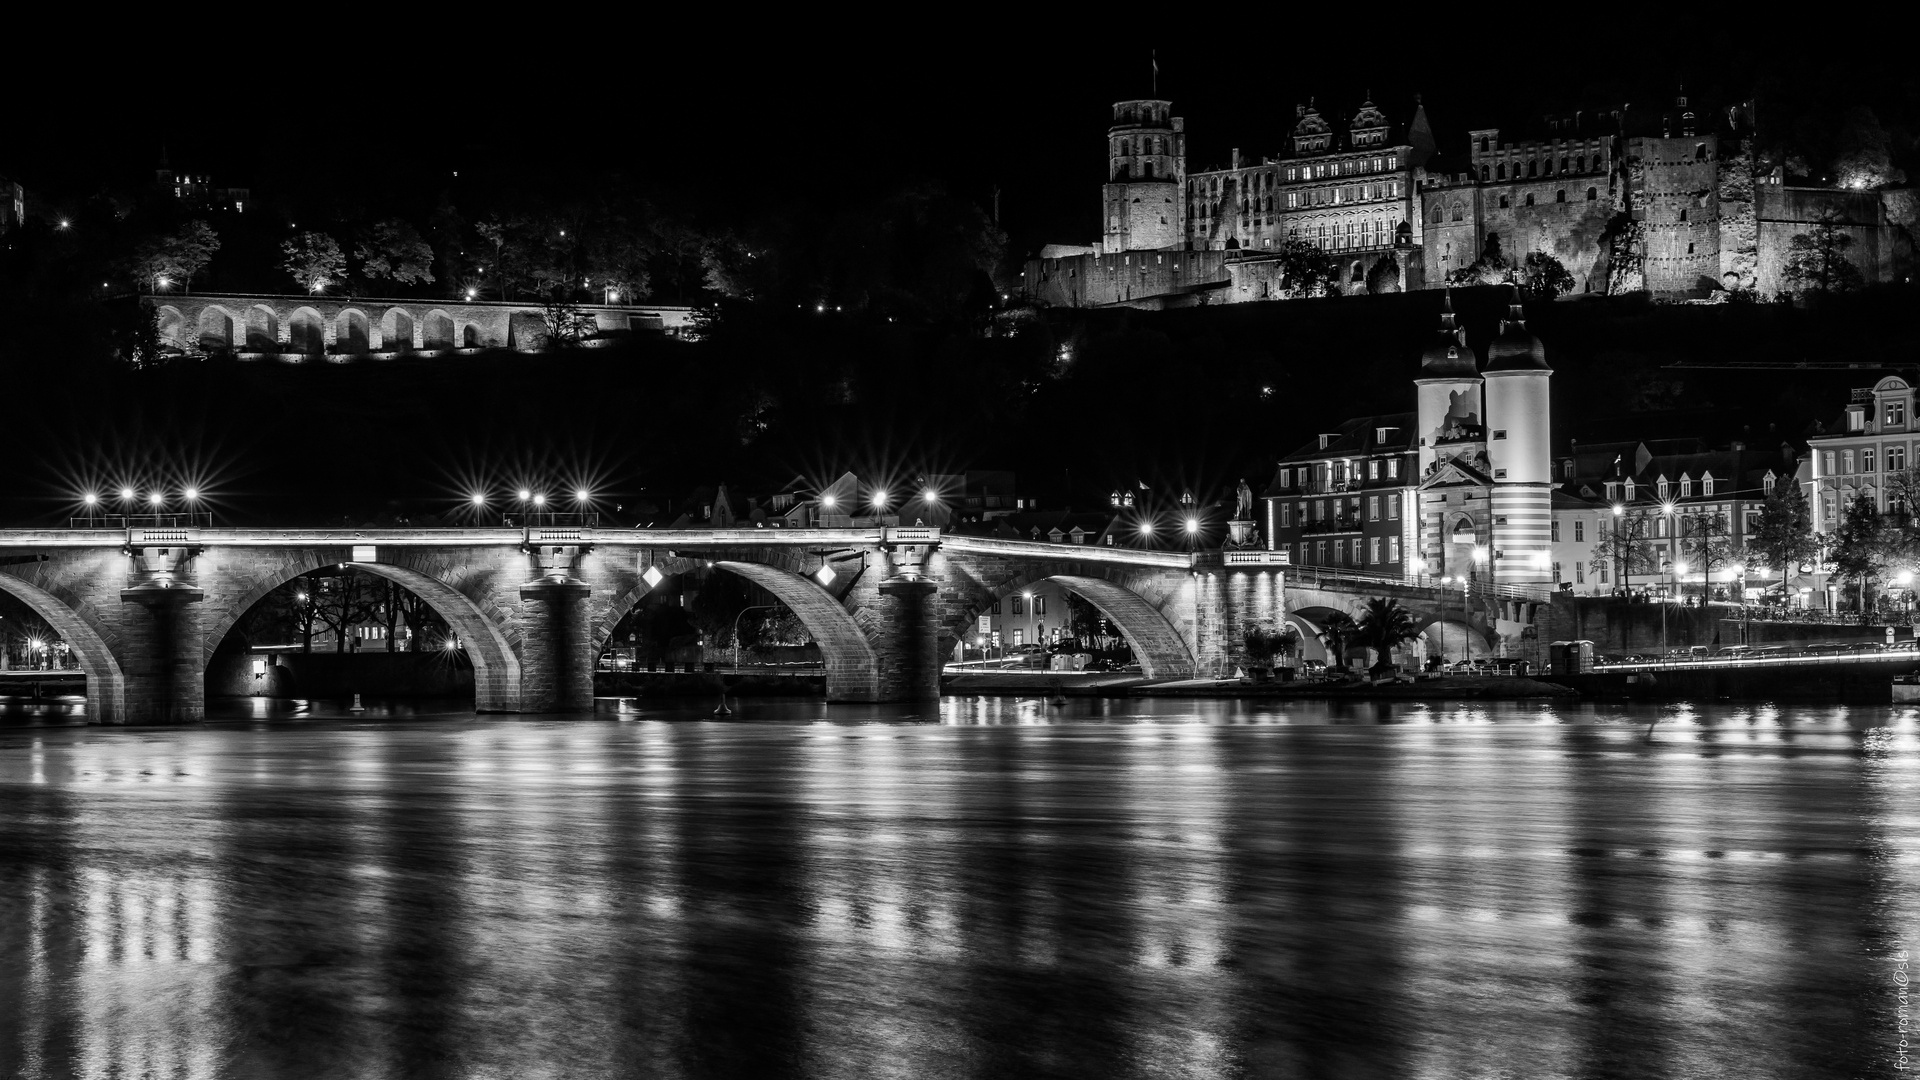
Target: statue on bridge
x,y
1242,501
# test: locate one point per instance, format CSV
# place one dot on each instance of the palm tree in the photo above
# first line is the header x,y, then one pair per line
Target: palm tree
x,y
1336,632
1383,625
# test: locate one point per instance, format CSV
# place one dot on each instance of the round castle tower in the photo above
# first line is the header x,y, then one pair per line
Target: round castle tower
x,y
1144,197
1448,388
1519,451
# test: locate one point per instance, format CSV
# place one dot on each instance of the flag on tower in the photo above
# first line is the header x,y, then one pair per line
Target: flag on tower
x,y
1156,70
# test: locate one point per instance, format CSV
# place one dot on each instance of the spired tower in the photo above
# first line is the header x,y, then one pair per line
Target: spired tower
x,y
1144,199
1518,451
1455,478
1448,389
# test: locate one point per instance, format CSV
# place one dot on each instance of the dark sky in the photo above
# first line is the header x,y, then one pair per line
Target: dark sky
x,y
738,112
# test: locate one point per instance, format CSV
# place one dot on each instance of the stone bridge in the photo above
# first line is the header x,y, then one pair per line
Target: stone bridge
x,y
302,327
145,610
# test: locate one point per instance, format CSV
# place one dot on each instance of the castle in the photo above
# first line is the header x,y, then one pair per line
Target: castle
x,y
1673,209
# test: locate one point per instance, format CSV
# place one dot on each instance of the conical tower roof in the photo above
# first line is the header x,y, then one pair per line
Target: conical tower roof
x,y
1448,357
1516,349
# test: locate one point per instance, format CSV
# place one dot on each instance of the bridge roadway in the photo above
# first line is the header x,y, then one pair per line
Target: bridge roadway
x,y
147,610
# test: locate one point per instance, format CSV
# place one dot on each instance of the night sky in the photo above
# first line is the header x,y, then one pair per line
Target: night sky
x,y
806,114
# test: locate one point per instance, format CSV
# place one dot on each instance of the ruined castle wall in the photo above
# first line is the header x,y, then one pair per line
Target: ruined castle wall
x,y
1781,212
1675,196
1739,233
1565,217
1098,280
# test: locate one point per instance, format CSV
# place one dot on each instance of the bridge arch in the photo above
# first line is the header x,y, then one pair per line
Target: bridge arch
x,y
1155,641
852,669
496,666
173,326
439,330
396,330
351,332
216,329
106,681
306,332
263,329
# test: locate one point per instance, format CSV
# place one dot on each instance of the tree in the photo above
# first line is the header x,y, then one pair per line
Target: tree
x,y
1384,277
1817,260
1336,632
1491,268
393,250
1624,547
1543,277
1865,158
1706,546
1263,642
173,257
1783,538
1857,547
1383,626
1305,269
315,261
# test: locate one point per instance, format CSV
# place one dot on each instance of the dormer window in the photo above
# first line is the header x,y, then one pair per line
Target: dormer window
x,y
1856,418
1613,491
1629,491
1686,486
1706,485
1326,441
1662,485
1766,482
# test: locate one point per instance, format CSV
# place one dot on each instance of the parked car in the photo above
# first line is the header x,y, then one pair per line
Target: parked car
x,y
1867,646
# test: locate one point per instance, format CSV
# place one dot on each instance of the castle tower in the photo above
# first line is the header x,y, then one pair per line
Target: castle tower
x,y
1144,200
1448,385
1519,451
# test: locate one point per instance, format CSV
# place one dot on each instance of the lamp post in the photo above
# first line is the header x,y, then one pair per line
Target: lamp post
x,y
736,628
1905,580
1619,539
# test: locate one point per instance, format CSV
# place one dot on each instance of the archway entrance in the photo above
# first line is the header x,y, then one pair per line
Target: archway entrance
x,y
1156,645
306,333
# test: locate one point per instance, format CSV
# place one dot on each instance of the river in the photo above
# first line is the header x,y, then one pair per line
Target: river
x,y
979,888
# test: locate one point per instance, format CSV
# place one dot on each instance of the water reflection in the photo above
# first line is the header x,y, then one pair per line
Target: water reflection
x,y
1105,888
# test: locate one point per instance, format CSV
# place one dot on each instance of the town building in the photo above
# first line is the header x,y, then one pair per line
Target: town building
x,y
1346,500
199,192
13,204
1687,514
1869,449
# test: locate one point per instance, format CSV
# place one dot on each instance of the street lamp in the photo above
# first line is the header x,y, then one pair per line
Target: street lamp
x,y
880,500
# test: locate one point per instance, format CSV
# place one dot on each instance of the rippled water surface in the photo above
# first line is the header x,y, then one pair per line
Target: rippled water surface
x,y
986,888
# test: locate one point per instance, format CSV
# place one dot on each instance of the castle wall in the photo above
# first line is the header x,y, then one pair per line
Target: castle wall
x,y
1781,212
1566,217
1130,276
1144,216
1674,193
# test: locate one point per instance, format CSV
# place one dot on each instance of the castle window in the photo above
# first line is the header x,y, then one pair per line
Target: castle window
x,y
1529,198
1683,215
1533,168
1436,215
1505,202
1560,196
1458,212
1580,163
1689,249
1483,174
1483,144
1500,173
1699,151
1592,194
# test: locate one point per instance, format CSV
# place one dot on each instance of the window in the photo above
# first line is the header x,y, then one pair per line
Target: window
x,y
1019,605
1603,573
1866,460
1499,474
1896,458
1579,574
1556,571
1505,202
1320,553
1499,433
1373,551
1686,487
1356,551
1592,194
1629,490
1613,490
1560,196
1393,549
1846,461
1019,637
1826,463
1529,198
1826,509
1553,531
1662,485
1039,605
1373,508
1286,515
1706,484
1393,468
1579,531
1896,412
1766,482
1393,509
1373,469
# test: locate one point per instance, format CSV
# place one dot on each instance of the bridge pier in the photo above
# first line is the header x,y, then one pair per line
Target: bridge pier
x,y
556,661
165,673
907,652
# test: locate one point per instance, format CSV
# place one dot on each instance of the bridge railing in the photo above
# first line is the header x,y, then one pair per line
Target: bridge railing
x,y
193,520
543,520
